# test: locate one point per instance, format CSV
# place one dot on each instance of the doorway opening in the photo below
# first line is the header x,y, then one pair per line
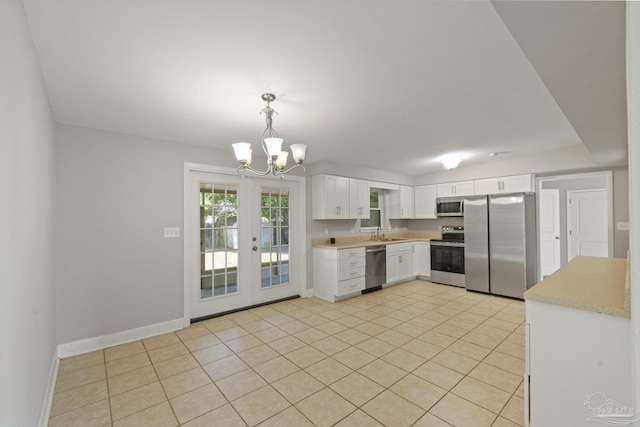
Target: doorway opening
x,y
575,217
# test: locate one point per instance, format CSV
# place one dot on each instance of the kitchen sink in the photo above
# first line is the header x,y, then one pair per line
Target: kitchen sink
x,y
388,239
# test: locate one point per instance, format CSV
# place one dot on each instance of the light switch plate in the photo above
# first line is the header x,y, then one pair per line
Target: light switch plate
x,y
171,232
623,226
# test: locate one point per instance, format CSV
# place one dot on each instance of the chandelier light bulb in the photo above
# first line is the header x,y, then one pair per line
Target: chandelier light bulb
x,y
272,147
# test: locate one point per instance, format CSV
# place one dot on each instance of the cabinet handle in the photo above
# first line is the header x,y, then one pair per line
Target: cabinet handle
x,y
401,211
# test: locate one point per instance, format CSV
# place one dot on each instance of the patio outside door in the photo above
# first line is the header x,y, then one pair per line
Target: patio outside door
x,y
240,236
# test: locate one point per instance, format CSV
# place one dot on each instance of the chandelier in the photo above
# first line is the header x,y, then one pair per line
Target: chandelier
x,y
272,146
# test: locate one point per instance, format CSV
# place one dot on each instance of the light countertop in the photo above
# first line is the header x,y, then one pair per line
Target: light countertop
x,y
586,283
364,240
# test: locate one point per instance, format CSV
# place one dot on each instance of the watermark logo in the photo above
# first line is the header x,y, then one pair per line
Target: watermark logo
x,y
608,411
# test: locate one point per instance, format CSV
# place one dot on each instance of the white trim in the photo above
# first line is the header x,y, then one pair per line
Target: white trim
x,y
97,343
45,412
307,293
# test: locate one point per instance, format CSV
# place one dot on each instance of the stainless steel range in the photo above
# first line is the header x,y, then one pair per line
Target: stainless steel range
x,y
447,256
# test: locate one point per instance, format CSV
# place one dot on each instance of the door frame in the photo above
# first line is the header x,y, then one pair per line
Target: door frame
x,y
299,274
608,175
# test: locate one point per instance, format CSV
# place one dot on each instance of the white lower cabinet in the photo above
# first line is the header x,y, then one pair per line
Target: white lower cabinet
x,y
399,260
421,261
578,365
338,273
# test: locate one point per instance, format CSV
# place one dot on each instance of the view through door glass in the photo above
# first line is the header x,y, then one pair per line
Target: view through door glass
x,y
218,240
274,234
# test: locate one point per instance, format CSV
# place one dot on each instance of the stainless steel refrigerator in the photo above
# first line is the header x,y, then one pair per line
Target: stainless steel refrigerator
x,y
500,243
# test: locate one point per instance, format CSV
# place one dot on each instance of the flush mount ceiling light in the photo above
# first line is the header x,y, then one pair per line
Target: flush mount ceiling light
x,y
272,146
451,161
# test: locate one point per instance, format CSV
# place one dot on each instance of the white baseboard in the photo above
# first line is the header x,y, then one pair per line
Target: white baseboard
x,y
48,396
307,293
97,343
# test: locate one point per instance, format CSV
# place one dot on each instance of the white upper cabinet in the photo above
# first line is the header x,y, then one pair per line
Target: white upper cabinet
x,y
330,197
359,198
453,189
507,184
402,203
425,202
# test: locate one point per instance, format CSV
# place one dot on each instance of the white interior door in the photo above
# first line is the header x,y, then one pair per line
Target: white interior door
x,y
588,223
549,201
239,237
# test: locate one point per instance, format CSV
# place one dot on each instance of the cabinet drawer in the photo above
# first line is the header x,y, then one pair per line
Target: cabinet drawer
x,y
398,247
350,253
352,285
347,263
351,273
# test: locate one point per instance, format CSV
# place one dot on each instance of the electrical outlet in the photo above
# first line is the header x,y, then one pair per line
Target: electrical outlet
x,y
326,231
622,226
171,232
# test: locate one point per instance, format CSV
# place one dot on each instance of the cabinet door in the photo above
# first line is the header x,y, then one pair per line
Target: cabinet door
x,y
452,189
421,260
425,258
425,202
330,197
404,265
445,190
464,188
517,183
358,199
406,201
488,186
402,203
340,189
393,267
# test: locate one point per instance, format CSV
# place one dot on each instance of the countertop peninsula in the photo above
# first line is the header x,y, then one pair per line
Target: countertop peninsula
x,y
594,284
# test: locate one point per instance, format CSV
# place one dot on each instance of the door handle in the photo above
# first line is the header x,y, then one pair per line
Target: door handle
x,y
255,248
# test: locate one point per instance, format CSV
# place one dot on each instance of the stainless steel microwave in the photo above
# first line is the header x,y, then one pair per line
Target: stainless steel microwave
x,y
449,206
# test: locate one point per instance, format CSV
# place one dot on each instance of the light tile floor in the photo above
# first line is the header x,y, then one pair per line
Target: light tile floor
x,y
417,354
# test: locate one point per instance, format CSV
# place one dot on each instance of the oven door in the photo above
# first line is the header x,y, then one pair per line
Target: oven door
x,y
447,263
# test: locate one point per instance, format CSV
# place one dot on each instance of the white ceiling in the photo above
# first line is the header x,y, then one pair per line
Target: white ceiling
x,y
386,84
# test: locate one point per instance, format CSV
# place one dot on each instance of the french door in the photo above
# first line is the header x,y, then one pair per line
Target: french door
x,y
241,240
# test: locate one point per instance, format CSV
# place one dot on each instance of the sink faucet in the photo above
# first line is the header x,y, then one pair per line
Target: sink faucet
x,y
378,233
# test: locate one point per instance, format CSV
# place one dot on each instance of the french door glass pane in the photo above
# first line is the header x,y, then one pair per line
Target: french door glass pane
x,y
274,226
218,240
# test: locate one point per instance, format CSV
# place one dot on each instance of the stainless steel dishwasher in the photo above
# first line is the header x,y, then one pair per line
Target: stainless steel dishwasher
x,y
375,267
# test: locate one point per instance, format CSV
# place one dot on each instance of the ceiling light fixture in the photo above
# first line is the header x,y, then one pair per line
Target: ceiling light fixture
x,y
272,145
451,161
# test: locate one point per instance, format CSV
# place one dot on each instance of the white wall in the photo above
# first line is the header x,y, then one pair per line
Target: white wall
x,y
115,193
27,311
